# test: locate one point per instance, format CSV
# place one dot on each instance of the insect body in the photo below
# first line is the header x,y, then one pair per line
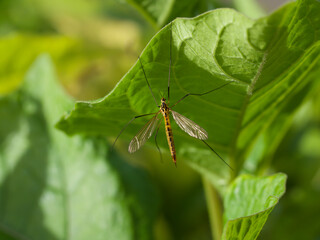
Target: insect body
x,y
184,123
165,112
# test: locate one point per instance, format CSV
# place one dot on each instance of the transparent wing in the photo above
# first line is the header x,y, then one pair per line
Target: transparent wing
x,y
190,127
144,134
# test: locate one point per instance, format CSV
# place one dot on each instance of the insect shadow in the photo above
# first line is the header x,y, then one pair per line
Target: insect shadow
x,y
187,125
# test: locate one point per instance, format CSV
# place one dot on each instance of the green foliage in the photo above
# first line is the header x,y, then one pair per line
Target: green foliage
x,y
55,187
301,200
268,62
250,8
161,12
40,16
67,52
248,202
12,47
75,61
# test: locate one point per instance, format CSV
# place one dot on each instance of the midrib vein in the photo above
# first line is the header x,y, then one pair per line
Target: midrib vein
x,y
248,97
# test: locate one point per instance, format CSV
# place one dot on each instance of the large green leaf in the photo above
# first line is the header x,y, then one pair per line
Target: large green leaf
x,y
248,202
269,62
55,187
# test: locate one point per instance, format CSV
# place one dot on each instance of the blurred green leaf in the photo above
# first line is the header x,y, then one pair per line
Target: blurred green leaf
x,y
161,12
88,70
19,51
299,156
269,62
250,8
39,15
248,202
55,187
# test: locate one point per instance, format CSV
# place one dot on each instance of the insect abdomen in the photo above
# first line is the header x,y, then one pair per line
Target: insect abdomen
x,y
169,136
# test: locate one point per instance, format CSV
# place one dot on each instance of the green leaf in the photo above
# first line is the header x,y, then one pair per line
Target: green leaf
x,y
16,58
41,16
250,8
72,57
55,187
299,156
161,12
248,202
270,63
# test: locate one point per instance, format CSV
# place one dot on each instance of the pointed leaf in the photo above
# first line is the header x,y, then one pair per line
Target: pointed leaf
x,y
248,202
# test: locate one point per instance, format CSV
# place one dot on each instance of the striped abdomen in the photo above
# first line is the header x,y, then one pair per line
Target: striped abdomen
x,y
165,113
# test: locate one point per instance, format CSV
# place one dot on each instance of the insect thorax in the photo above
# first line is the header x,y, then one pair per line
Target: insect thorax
x,y
164,107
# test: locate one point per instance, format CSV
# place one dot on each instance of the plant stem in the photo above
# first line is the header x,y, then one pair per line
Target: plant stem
x,y
214,209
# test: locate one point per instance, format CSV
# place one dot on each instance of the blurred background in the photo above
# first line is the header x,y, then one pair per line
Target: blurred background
x,y
94,43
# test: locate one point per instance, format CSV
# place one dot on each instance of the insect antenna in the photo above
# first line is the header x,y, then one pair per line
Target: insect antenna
x,y
148,82
170,49
217,154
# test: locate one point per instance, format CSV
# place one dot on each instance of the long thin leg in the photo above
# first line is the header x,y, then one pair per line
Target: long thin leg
x,y
155,139
125,126
148,82
217,154
170,63
199,94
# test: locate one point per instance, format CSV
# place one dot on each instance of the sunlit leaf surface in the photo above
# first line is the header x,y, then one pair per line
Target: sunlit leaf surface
x,y
270,62
248,202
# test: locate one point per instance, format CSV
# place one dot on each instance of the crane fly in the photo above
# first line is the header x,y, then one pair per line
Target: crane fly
x,y
187,125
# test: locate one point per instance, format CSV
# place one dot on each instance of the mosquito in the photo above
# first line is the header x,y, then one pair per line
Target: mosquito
x,y
187,125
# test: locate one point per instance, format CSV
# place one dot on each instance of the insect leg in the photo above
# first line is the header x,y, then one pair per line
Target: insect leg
x,y
125,126
217,154
148,82
155,139
170,63
199,94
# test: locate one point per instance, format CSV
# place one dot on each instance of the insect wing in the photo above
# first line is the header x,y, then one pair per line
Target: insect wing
x,y
190,127
144,134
